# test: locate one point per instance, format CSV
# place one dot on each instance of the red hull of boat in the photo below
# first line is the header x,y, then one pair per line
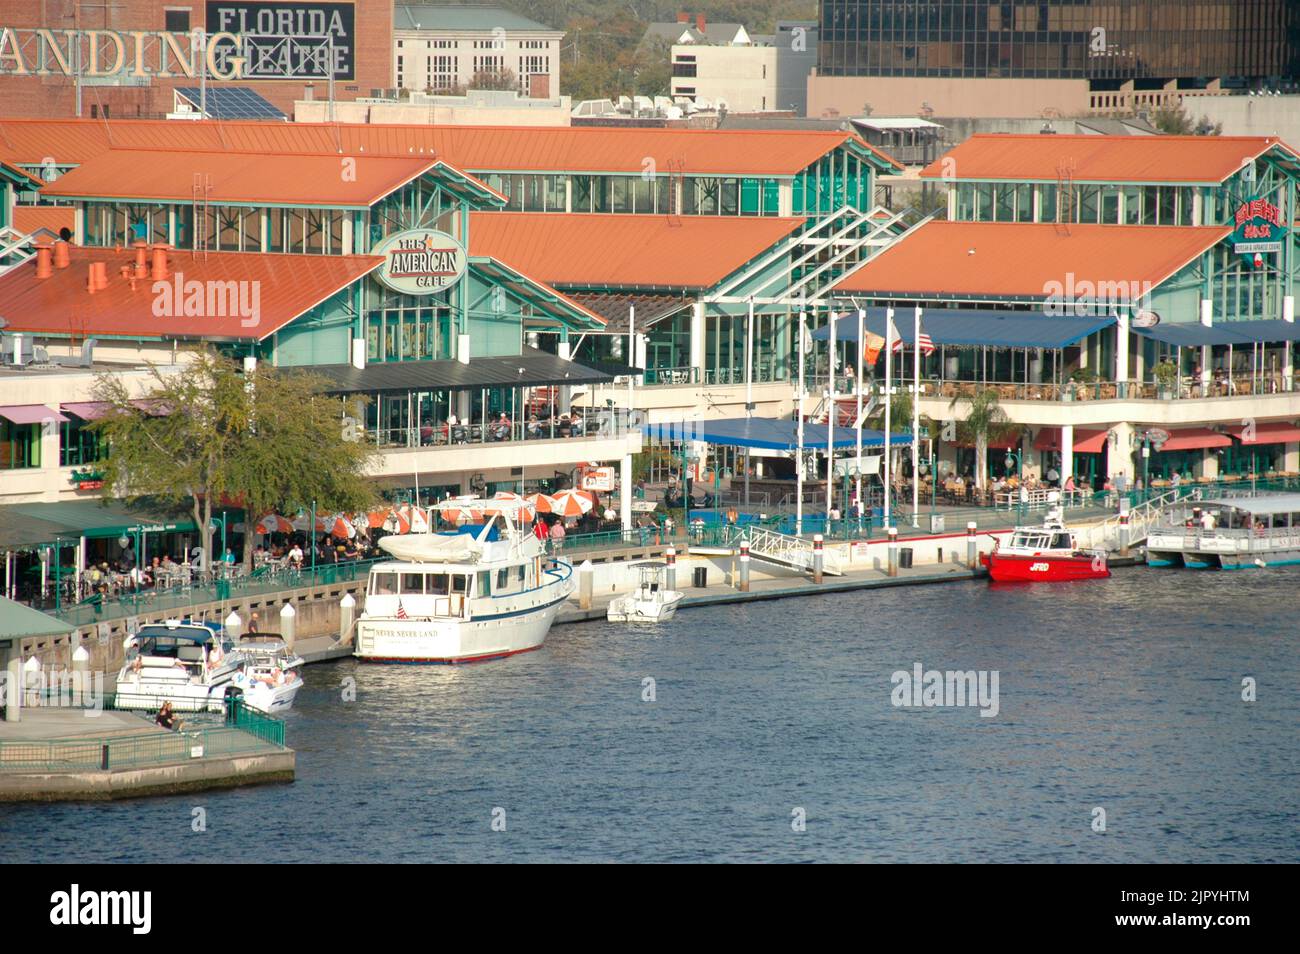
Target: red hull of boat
x,y
1043,569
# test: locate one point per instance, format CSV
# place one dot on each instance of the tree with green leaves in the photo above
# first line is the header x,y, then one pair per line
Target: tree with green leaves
x,y
984,420
206,432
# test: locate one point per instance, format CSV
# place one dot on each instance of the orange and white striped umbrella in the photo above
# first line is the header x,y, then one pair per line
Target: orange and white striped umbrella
x,y
462,515
521,505
336,526
274,523
566,503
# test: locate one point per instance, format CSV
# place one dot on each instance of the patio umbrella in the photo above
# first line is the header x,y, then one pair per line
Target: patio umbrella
x,y
566,503
462,515
274,523
419,519
521,505
336,526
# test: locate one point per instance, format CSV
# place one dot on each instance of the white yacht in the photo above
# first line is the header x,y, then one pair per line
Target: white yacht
x,y
271,674
186,664
650,602
485,591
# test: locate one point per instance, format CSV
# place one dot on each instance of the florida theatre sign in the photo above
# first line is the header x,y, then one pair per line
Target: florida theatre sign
x,y
255,40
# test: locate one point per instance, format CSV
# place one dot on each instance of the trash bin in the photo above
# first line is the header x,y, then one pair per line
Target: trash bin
x,y
701,576
905,557
936,523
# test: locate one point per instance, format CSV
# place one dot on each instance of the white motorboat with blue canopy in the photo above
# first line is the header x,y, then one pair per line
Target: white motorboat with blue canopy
x,y
191,665
483,591
1227,533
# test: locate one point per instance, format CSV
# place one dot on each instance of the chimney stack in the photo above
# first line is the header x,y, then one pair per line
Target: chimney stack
x,y
699,22
99,275
44,260
683,18
140,269
159,271
62,258
91,286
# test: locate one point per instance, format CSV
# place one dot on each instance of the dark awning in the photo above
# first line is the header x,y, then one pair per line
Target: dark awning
x,y
529,369
765,433
27,525
972,327
1194,335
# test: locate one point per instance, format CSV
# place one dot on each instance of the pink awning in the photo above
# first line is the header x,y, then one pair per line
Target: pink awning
x,y
86,410
1085,441
30,414
1266,432
1195,438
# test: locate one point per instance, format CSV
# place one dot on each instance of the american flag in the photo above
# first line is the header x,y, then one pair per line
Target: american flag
x,y
401,610
924,341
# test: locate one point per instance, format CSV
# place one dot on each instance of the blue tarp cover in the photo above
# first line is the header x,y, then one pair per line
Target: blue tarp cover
x,y
765,433
969,327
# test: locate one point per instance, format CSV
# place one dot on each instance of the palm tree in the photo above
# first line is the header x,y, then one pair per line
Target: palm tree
x,y
984,419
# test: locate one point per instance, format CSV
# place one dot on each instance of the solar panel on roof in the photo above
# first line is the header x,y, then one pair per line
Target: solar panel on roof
x,y
231,102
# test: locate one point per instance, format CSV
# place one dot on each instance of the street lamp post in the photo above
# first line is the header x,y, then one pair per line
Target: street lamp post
x,y
1020,482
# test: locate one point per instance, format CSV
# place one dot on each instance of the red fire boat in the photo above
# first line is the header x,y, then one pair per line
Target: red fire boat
x,y
1046,554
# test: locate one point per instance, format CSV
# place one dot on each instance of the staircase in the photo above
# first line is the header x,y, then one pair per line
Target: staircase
x,y
782,549
1106,535
846,410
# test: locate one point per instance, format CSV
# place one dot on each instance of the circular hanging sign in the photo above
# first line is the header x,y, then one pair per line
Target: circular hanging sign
x,y
420,261
1145,319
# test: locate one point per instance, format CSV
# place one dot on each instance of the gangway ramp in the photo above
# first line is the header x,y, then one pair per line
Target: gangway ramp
x,y
781,549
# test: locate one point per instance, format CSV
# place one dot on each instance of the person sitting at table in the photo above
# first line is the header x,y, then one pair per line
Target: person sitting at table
x,y
534,426
575,422
501,429
565,426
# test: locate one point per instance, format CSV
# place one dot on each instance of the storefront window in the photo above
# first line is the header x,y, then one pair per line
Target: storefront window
x,y
20,445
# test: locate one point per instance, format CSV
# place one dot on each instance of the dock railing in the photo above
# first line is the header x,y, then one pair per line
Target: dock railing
x,y
241,731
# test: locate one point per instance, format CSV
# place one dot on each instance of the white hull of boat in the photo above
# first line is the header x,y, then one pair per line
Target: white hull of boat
x,y
269,699
133,693
630,609
454,640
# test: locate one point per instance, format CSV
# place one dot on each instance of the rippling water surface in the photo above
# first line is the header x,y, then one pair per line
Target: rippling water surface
x,y
1123,694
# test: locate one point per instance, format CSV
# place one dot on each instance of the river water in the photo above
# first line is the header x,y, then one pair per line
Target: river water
x,y
1122,695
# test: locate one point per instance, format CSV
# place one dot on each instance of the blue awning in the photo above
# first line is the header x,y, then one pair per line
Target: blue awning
x,y
972,327
766,434
1194,335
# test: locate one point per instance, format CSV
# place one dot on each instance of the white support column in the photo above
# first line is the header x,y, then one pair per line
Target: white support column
x,y
625,491
699,335
1121,352
564,350
1067,452
1119,453
1207,319
1288,358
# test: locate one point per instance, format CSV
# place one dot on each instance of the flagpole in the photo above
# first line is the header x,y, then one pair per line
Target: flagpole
x,y
830,422
916,419
798,469
857,464
889,359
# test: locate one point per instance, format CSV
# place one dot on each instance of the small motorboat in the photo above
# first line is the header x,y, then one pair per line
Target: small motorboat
x,y
190,665
1046,554
271,674
650,602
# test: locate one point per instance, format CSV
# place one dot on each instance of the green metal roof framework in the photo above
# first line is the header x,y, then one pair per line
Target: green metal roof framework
x,y
564,311
25,526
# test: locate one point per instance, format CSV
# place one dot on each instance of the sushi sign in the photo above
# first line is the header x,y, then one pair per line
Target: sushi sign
x,y
420,261
1259,227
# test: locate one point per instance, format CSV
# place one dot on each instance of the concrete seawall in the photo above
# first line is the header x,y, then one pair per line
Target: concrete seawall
x,y
199,775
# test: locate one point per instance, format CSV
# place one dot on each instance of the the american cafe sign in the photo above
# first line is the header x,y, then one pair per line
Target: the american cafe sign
x,y
420,261
1258,227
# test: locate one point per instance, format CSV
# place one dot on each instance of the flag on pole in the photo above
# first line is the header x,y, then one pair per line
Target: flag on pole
x,y
923,341
871,348
401,610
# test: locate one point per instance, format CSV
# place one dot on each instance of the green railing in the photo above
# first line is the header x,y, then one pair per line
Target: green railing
x,y
242,732
183,597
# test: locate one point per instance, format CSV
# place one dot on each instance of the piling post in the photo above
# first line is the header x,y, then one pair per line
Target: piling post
x,y
744,566
288,624
972,546
1123,528
81,694
670,568
586,582
347,612
234,626
13,684
893,551
818,557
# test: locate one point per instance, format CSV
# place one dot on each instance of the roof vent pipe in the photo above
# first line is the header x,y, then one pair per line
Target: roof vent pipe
x,y
90,279
159,270
141,268
44,260
62,256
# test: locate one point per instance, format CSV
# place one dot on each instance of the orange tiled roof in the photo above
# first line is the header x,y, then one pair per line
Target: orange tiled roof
x,y
479,148
287,286
240,177
30,218
640,251
1199,159
1019,261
